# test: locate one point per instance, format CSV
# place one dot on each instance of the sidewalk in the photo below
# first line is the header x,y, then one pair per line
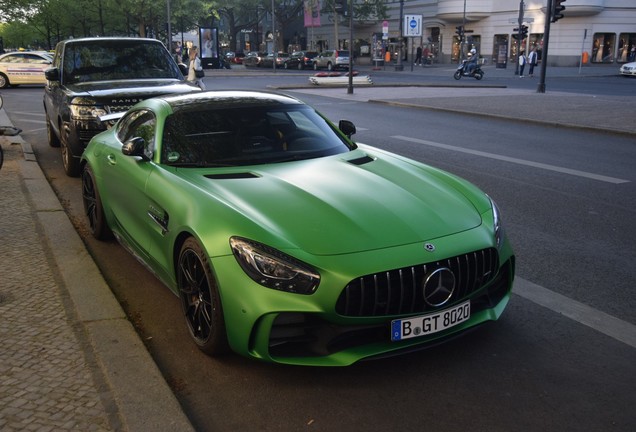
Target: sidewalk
x,y
69,357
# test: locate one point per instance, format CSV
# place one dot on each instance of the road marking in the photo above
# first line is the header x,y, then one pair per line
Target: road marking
x,y
600,321
32,121
555,168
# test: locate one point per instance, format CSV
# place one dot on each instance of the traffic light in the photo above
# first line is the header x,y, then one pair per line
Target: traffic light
x,y
460,32
520,35
557,10
341,7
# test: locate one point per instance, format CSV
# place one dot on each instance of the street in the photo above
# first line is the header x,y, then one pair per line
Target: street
x,y
561,357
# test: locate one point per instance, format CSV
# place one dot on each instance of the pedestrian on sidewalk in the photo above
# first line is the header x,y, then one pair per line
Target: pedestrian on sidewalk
x,y
195,71
418,56
522,62
532,61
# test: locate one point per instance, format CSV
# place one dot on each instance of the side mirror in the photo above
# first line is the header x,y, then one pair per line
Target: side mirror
x,y
52,74
135,147
347,127
184,69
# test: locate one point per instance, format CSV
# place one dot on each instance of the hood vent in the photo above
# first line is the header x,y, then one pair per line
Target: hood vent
x,y
362,160
231,176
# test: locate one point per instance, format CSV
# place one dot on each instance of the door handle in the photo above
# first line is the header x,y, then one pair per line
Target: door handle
x,y
112,160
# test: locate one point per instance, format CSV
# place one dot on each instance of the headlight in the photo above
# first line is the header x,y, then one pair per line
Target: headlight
x,y
274,269
498,227
86,109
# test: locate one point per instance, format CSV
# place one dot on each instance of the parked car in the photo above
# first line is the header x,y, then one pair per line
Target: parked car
x,y
332,60
628,69
254,59
268,61
288,242
300,60
92,77
23,67
238,58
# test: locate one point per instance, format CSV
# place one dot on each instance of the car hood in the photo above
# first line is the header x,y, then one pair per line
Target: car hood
x,y
343,204
140,89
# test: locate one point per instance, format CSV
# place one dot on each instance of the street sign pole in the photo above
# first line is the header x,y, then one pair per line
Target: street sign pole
x,y
544,52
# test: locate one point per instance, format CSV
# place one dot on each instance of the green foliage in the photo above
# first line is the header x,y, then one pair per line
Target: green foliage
x,y
42,23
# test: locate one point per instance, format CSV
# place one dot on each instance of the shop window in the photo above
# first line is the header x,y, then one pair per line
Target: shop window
x,y
470,43
603,48
626,48
500,50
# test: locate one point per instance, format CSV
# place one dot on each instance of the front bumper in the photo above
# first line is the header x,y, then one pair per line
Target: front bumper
x,y
316,330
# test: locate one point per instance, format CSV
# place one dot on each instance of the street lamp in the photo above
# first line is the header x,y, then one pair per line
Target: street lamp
x,y
399,66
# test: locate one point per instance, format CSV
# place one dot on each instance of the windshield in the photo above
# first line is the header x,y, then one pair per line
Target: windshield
x,y
117,60
248,136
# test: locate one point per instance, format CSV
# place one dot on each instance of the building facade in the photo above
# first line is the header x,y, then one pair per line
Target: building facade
x,y
593,31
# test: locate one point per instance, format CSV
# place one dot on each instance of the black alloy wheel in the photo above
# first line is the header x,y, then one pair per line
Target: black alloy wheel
x,y
93,207
200,299
71,164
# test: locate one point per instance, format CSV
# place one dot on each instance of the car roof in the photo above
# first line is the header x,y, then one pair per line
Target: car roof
x,y
109,39
228,99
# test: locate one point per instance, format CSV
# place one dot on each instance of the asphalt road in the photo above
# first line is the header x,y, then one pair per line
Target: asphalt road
x,y
535,369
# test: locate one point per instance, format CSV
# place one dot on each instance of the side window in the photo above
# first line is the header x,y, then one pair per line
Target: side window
x,y
142,124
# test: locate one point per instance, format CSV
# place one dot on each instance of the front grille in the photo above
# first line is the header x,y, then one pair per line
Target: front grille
x,y
400,291
111,109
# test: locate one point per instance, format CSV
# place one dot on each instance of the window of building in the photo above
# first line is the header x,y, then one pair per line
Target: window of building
x,y
626,48
500,50
603,48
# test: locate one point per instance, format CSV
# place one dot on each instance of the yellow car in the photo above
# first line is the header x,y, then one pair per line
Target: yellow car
x,y
23,67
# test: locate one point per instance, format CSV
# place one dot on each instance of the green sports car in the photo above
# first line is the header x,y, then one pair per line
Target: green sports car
x,y
288,242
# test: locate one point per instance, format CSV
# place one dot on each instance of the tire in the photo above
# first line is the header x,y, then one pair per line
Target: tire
x,y
315,66
4,81
70,163
285,65
54,141
200,300
479,75
329,67
93,207
457,75
300,66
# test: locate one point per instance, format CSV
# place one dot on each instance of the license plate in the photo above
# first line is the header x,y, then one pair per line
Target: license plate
x,y
425,325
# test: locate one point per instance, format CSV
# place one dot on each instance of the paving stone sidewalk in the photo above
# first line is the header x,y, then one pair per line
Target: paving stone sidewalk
x,y
46,368
69,358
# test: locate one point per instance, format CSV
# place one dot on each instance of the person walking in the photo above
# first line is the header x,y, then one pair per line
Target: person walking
x,y
532,61
195,71
522,62
418,56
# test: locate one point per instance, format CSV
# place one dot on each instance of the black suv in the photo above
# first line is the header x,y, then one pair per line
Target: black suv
x,y
93,77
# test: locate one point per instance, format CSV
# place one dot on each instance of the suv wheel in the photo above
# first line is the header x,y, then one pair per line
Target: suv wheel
x,y
70,163
300,66
315,66
329,67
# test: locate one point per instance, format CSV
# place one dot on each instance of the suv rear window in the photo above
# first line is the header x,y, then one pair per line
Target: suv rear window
x,y
117,60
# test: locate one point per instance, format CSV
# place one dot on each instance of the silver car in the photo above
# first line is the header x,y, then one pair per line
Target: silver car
x,y
332,60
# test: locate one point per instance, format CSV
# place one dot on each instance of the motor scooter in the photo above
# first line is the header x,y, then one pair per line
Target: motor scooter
x,y
461,71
